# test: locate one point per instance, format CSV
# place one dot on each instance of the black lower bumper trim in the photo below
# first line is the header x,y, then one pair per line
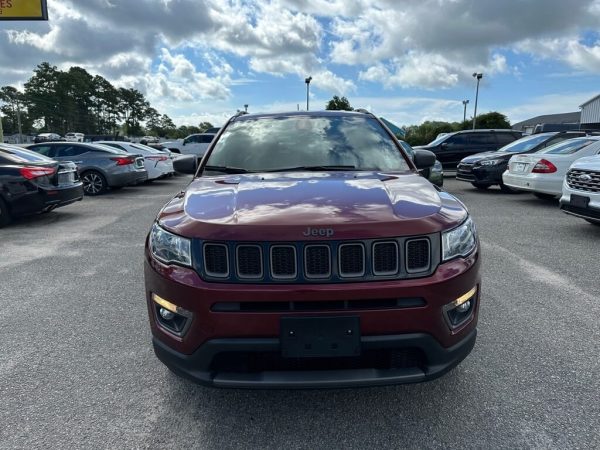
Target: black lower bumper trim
x,y
584,213
197,366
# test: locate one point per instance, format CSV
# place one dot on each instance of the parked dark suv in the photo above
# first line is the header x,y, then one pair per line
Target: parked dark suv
x,y
450,148
308,252
485,169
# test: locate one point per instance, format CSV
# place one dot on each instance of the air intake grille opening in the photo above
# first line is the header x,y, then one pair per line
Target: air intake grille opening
x,y
352,260
385,258
317,261
417,255
216,263
249,261
283,261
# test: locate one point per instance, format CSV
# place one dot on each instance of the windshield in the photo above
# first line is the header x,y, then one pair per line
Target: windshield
x,y
21,155
109,149
439,139
568,147
525,144
145,148
272,143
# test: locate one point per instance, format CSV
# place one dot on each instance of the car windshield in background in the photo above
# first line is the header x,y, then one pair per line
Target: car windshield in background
x,y
109,149
568,147
272,144
524,144
22,155
145,148
439,139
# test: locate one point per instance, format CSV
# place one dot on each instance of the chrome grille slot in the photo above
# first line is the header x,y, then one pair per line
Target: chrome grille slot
x,y
283,262
317,261
385,258
351,260
216,260
589,183
249,261
417,255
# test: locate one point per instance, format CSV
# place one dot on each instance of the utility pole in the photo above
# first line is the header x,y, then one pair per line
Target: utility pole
x,y
479,76
1,131
307,81
465,103
19,120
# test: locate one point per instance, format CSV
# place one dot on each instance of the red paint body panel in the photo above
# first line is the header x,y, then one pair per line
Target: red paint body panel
x,y
185,288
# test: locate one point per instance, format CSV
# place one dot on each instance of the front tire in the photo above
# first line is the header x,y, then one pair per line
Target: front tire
x,y
94,183
481,186
5,217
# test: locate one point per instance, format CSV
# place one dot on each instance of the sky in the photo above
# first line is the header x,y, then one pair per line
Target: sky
x,y
408,61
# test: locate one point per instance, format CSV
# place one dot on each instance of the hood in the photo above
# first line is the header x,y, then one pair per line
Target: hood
x,y
288,206
587,163
487,155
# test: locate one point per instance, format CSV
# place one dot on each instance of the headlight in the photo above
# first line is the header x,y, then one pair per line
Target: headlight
x,y
490,162
460,241
170,248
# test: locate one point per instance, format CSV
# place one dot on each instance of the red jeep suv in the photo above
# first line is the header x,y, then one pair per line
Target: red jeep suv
x,y
308,252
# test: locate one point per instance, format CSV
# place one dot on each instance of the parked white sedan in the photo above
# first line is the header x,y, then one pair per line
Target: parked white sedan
x,y
156,162
581,190
543,172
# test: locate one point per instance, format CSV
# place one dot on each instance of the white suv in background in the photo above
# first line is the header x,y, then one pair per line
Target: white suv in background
x,y
74,137
581,190
194,144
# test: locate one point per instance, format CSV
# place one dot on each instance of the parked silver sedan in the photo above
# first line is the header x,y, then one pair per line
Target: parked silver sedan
x,y
100,167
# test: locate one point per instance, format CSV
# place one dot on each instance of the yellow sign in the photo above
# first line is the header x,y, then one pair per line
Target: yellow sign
x,y
23,10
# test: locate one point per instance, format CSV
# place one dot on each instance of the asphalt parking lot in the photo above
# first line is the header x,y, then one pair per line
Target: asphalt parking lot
x,y
77,369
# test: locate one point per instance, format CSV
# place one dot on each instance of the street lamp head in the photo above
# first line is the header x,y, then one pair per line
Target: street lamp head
x,y
479,76
465,102
308,80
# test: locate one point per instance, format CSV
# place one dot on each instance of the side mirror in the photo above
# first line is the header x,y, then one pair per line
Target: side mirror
x,y
424,159
184,142
444,145
187,164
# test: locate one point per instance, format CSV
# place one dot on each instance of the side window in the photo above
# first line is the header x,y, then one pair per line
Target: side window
x,y
191,139
408,149
504,139
458,140
206,139
481,139
46,150
66,151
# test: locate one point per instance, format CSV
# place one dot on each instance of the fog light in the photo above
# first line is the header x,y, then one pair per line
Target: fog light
x,y
460,310
171,317
166,314
464,307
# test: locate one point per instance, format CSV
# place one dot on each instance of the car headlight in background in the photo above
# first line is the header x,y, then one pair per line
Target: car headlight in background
x,y
490,162
170,248
460,241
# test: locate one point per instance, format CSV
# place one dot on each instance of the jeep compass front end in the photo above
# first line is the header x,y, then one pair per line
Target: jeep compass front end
x,y
309,252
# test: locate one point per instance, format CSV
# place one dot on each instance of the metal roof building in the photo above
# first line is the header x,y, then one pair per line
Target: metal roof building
x,y
590,113
529,124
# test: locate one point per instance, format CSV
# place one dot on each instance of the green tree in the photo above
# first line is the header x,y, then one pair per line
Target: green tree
x,y
134,107
14,109
339,104
205,126
492,119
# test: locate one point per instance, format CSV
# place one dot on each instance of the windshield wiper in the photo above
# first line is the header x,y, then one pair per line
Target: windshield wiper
x,y
312,168
227,169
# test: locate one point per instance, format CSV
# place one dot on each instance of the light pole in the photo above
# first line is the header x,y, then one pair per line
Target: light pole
x,y
246,108
478,76
465,103
307,81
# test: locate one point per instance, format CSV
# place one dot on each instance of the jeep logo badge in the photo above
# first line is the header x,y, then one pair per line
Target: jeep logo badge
x,y
585,177
318,232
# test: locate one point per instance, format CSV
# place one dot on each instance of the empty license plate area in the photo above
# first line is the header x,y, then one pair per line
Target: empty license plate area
x,y
580,201
320,337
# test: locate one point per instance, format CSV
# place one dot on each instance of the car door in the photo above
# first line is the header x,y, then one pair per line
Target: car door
x,y
480,142
450,152
191,145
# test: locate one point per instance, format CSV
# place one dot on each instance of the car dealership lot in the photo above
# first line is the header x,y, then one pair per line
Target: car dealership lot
x,y
77,368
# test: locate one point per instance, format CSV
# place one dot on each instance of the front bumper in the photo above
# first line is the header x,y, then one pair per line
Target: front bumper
x,y
591,212
197,367
389,332
480,174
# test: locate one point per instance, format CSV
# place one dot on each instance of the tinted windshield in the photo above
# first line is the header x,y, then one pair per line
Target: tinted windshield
x,y
272,143
21,155
107,148
525,144
439,139
145,148
568,147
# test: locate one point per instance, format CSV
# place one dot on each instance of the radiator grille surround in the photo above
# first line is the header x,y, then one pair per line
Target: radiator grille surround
x,y
317,261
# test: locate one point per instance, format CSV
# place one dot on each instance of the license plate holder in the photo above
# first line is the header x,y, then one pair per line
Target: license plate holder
x,y
579,201
520,167
320,337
